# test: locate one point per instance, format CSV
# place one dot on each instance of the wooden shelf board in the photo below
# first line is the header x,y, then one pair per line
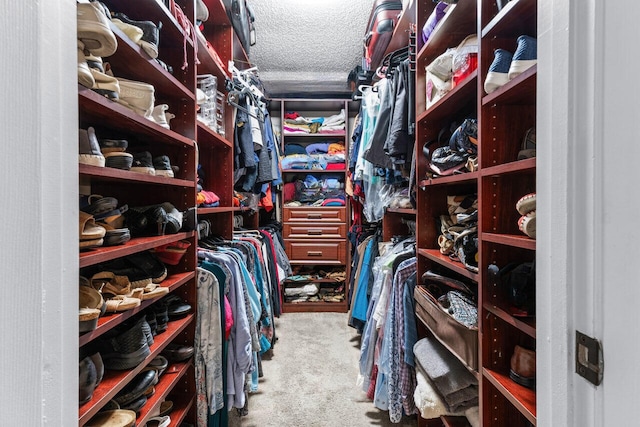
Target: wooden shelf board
x,y
459,22
517,241
217,13
94,106
445,261
209,137
452,179
217,210
113,174
137,244
114,381
526,325
521,397
320,306
518,166
508,18
452,102
312,135
401,211
209,63
520,90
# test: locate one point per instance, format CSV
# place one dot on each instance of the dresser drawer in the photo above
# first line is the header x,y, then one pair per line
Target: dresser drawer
x,y
315,214
316,252
314,231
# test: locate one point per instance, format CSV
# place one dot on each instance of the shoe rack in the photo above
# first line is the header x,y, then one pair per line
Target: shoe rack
x,y
186,143
505,116
499,181
315,237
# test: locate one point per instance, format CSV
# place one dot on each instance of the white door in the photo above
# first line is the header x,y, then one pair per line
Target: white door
x,y
588,200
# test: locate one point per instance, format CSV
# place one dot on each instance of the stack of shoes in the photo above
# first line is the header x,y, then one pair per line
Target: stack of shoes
x,y
526,206
124,347
163,167
150,33
117,291
106,213
115,154
91,306
95,38
507,66
133,396
91,234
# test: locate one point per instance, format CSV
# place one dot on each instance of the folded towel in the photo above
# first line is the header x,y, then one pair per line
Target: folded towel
x,y
446,372
462,397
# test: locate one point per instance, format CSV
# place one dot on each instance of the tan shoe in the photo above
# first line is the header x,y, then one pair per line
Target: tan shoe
x,y
94,30
105,84
523,367
137,96
85,78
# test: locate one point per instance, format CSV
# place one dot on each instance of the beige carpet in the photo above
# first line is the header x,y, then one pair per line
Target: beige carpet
x,y
310,378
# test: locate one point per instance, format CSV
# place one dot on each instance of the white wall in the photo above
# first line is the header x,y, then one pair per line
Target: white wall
x,y
39,214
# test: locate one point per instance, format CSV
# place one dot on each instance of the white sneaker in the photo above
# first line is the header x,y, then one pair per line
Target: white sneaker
x,y
161,116
137,96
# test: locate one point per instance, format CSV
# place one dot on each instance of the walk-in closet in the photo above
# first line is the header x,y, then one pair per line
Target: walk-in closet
x,y
319,213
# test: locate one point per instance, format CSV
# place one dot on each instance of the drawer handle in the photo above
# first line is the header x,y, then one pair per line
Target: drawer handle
x,y
314,216
314,253
314,232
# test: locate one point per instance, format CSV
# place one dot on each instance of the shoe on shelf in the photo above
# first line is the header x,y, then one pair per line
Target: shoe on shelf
x,y
94,30
91,373
202,12
523,367
150,33
119,160
161,116
115,417
113,145
526,204
137,96
527,224
89,149
174,218
131,31
498,74
525,56
105,84
125,346
85,78
91,306
143,163
163,166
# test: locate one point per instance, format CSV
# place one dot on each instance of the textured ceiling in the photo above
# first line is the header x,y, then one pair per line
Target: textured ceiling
x,y
306,48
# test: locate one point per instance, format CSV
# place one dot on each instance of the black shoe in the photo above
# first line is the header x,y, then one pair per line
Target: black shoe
x,y
138,277
146,220
111,145
177,352
143,163
150,264
124,347
162,316
163,166
150,33
176,306
118,160
136,388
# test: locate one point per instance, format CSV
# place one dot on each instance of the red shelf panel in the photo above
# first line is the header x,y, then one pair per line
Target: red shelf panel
x,y
521,397
444,260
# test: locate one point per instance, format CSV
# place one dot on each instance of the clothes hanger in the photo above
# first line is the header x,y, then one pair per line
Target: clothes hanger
x,y
234,97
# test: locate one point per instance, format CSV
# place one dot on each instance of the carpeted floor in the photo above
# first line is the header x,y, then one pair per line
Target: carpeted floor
x,y
310,378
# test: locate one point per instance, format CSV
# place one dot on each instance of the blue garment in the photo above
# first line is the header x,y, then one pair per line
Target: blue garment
x,y
361,302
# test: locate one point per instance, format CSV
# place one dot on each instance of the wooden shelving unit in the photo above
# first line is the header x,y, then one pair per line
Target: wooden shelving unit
x,y
315,237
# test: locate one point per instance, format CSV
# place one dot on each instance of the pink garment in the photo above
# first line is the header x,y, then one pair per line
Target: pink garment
x,y
228,318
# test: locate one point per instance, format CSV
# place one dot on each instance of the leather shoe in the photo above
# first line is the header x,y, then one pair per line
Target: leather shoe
x,y
136,388
523,367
